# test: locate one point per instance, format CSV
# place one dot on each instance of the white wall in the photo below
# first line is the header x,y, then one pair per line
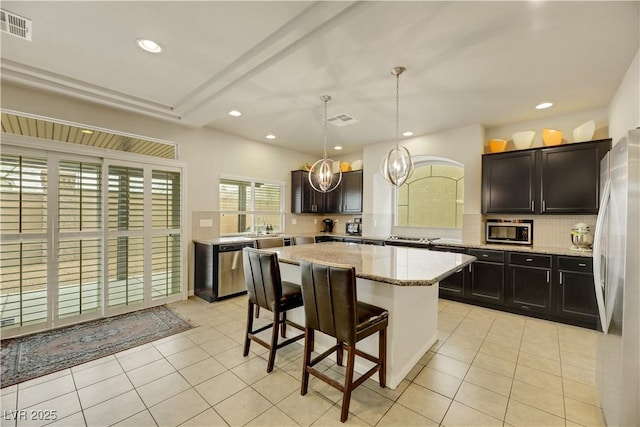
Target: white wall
x,y
208,153
565,123
624,110
464,145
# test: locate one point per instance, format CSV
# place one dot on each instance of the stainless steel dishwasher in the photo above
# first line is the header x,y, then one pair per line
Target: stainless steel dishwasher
x,y
218,271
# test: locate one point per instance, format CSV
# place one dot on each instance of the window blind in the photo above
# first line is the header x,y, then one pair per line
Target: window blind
x,y
23,250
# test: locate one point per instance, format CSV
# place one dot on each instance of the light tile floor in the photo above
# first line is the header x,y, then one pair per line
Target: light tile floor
x,y
488,368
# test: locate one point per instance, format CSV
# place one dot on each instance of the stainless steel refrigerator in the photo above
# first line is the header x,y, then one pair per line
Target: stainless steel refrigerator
x,y
616,254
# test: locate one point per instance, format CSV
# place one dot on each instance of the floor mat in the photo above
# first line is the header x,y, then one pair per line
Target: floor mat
x,y
39,354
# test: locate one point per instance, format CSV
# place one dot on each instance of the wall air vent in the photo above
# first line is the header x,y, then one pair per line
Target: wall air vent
x,y
15,25
341,120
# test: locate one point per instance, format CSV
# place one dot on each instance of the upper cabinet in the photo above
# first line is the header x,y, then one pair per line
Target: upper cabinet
x,y
563,179
509,182
346,199
304,199
570,177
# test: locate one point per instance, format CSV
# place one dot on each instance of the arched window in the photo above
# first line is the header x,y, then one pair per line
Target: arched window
x,y
433,196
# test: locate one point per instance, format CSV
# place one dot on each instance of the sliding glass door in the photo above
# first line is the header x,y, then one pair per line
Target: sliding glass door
x,y
85,237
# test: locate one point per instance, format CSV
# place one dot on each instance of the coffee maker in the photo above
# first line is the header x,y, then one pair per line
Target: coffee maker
x,y
328,225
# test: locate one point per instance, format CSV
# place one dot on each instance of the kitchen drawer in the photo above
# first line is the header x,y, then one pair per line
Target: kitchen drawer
x,y
487,255
577,264
530,260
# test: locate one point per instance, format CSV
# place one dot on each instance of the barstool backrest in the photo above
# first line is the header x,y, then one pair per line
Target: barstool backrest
x,y
262,275
270,242
303,240
330,299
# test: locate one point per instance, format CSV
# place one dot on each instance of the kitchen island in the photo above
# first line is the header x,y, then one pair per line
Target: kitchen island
x,y
402,280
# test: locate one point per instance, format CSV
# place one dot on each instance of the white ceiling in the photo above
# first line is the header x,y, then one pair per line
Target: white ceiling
x,y
467,62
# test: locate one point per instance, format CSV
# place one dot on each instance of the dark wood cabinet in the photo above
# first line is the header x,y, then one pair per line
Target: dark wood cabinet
x,y
345,199
553,287
486,276
576,291
529,285
570,177
304,199
453,285
509,182
352,192
553,180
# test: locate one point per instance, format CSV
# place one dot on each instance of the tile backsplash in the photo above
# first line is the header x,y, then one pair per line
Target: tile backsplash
x,y
548,230
206,224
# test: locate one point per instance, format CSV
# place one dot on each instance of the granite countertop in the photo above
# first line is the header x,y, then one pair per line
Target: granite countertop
x,y
550,250
399,266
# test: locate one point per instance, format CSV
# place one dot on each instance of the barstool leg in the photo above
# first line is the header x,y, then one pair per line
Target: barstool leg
x,y
339,353
247,340
283,325
274,340
348,382
382,355
306,359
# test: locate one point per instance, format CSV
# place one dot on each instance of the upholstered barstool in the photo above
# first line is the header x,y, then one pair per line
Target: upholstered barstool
x,y
266,243
303,240
331,306
266,289
269,242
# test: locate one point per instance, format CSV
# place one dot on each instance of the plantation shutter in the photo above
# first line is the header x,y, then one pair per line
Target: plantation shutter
x,y
267,198
23,246
80,242
126,237
166,222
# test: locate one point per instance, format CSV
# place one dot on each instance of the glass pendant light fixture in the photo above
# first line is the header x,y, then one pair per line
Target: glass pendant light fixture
x,y
397,166
321,175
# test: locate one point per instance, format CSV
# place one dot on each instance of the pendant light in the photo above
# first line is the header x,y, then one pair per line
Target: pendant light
x,y
321,175
397,165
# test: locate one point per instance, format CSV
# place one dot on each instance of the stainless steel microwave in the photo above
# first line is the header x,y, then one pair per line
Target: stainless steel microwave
x,y
516,231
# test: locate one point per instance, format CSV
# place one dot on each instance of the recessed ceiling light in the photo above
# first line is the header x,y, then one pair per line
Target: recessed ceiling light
x,y
270,136
149,45
337,147
235,113
407,133
87,131
544,105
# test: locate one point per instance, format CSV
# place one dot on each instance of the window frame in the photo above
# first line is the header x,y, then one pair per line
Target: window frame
x,y
54,152
251,212
419,161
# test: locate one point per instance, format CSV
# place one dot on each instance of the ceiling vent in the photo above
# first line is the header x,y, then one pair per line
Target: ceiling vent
x,y
15,25
341,120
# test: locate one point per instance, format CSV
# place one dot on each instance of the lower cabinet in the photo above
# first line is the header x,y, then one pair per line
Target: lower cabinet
x,y
453,285
529,282
552,287
576,292
486,276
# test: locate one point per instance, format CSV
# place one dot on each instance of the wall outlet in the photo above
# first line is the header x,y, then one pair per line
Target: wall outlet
x,y
294,221
206,223
315,220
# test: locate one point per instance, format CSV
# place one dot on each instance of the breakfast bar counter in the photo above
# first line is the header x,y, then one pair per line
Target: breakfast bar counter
x,y
400,279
